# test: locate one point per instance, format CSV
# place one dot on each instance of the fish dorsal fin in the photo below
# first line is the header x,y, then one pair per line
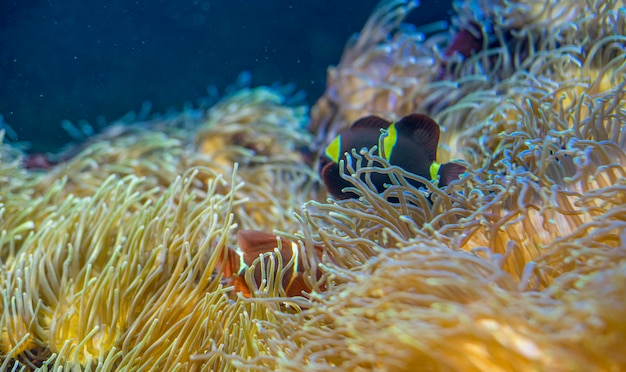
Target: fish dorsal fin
x,y
254,243
423,130
371,121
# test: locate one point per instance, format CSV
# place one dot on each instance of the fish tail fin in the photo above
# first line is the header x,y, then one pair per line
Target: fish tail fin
x,y
450,172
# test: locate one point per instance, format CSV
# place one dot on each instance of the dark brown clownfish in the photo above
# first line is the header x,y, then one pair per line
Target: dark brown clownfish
x,y
253,243
410,143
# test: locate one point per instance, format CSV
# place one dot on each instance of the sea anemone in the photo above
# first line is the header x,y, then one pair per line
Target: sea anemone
x,y
111,259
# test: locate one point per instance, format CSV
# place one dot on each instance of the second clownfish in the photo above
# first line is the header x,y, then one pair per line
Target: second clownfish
x,y
253,243
410,143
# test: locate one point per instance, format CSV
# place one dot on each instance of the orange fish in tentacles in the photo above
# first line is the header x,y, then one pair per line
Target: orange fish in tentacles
x,y
410,143
254,243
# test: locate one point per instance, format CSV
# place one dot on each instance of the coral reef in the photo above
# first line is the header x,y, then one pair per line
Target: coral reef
x,y
111,258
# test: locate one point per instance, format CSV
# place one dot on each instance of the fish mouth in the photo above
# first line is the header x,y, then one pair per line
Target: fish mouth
x,y
323,162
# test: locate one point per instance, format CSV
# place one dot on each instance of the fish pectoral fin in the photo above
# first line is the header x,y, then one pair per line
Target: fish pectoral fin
x,y
423,130
450,172
254,243
239,282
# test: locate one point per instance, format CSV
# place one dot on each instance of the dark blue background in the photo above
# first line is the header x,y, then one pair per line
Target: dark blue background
x,y
77,59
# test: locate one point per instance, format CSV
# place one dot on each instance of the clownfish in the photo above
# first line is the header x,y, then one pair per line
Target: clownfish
x,y
410,143
253,243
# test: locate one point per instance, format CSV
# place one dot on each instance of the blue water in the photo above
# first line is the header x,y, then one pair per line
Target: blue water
x,y
80,60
